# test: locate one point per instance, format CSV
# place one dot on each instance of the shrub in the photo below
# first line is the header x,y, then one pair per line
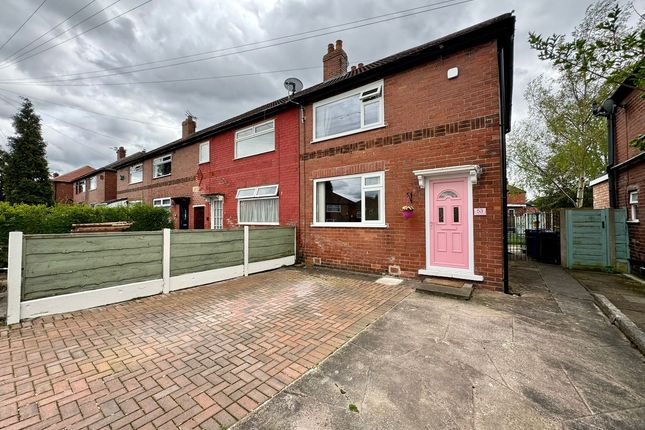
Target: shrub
x,y
40,219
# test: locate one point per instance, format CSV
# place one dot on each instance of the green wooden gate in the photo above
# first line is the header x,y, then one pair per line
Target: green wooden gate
x,y
595,239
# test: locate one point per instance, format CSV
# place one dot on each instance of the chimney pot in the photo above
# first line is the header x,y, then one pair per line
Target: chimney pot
x,y
353,68
335,61
56,175
188,127
120,153
360,65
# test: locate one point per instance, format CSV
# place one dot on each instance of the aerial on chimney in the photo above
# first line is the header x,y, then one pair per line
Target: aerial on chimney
x,y
188,126
334,61
120,153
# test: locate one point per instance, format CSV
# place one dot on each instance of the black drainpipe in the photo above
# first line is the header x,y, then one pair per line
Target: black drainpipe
x,y
611,174
502,128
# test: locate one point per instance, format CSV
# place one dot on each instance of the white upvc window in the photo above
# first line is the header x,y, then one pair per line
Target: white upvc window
x,y
204,152
258,205
350,201
163,202
633,206
257,139
93,182
80,186
352,112
136,173
134,202
162,166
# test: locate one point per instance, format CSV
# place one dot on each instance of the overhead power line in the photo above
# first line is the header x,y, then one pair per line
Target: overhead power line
x,y
87,110
21,59
162,81
22,25
402,14
47,32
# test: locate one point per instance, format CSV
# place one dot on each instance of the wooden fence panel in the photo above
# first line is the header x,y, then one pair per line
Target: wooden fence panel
x,y
63,264
271,243
202,250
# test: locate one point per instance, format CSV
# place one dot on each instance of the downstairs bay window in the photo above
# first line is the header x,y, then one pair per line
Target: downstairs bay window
x,y
258,205
350,201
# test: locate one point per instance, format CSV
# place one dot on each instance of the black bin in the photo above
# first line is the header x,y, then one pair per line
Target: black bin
x,y
532,243
549,247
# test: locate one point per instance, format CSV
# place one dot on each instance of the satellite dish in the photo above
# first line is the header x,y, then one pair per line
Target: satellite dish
x,y
293,85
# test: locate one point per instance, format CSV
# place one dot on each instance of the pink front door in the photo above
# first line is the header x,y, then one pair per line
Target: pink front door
x,y
449,223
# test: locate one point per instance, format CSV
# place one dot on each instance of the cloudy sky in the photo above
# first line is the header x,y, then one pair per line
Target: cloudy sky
x,y
84,118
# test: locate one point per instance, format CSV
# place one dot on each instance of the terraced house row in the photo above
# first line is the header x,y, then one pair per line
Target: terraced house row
x,y
345,160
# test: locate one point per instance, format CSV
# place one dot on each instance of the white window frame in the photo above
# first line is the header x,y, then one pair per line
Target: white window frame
x,y
161,160
94,180
134,202
369,100
633,206
254,134
205,159
380,223
220,220
161,201
130,173
80,184
255,196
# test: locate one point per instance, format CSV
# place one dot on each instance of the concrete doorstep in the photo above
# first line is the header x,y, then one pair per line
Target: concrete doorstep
x,y
616,317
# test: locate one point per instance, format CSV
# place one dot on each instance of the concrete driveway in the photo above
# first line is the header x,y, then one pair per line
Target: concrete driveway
x,y
202,357
547,359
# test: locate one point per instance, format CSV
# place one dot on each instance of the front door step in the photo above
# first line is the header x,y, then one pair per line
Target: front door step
x,y
462,291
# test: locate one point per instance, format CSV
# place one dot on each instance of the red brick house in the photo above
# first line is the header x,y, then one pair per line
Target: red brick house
x,y
425,127
64,185
625,112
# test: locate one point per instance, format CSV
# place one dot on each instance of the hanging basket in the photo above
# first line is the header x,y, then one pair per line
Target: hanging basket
x,y
407,214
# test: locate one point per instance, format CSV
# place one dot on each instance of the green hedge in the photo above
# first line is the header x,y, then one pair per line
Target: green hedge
x,y
40,219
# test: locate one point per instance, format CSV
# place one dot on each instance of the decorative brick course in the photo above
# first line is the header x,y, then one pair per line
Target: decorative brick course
x,y
199,357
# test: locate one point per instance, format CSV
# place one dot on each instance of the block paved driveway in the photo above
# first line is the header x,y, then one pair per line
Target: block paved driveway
x,y
202,357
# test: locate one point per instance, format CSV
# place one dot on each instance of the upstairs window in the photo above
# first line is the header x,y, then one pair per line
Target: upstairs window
x,y
258,205
93,181
162,166
254,140
136,173
351,112
633,206
204,149
80,186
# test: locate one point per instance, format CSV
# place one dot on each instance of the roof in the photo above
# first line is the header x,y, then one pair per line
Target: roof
x,y
626,87
115,164
599,180
512,189
500,28
74,174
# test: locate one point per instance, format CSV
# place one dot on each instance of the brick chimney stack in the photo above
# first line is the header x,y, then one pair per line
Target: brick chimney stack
x,y
188,127
335,61
120,153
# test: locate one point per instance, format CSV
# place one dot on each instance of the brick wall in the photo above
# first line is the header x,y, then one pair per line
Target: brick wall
x,y
517,198
431,122
630,121
225,175
601,195
184,181
63,192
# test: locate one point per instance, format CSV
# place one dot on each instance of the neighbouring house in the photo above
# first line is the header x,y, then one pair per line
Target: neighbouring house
x,y
64,185
516,202
620,187
169,177
99,187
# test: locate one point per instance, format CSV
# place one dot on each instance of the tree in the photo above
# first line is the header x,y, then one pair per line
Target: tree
x,y
26,175
602,45
3,164
561,145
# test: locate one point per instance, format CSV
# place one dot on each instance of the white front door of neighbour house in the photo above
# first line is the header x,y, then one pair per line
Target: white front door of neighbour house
x,y
217,213
449,235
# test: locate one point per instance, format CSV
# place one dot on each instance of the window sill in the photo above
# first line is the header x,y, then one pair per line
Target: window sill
x,y
204,162
349,225
258,223
137,182
162,176
348,133
633,221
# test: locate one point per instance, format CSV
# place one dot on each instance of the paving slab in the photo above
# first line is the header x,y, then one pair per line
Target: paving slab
x,y
545,359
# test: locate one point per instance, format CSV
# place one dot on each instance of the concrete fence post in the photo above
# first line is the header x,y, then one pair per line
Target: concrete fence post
x,y
165,260
14,277
246,250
